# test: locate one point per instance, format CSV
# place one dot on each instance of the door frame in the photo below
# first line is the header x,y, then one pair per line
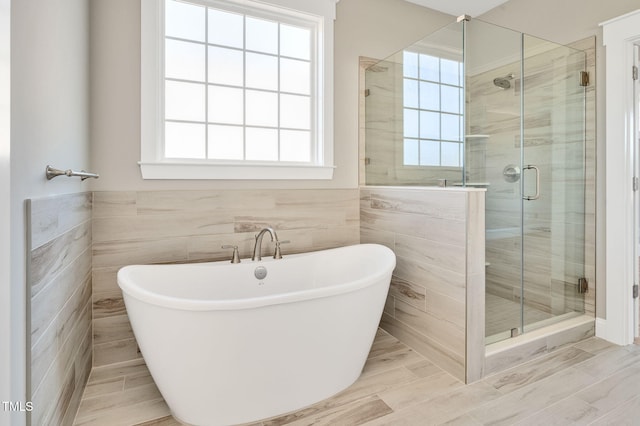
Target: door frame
x,y
619,37
636,171
7,388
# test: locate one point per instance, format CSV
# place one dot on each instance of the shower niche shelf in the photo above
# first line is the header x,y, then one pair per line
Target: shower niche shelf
x,y
473,137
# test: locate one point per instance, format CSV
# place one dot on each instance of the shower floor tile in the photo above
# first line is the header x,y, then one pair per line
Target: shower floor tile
x,y
503,314
586,382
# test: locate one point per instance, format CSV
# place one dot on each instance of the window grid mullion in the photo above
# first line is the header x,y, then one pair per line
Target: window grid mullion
x,y
244,87
460,133
253,126
256,89
420,79
419,120
440,107
206,87
314,153
238,49
279,95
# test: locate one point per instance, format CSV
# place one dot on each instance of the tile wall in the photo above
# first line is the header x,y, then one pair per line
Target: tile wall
x,y
59,320
436,299
191,226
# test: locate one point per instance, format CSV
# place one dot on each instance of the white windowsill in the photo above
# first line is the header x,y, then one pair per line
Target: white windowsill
x,y
175,170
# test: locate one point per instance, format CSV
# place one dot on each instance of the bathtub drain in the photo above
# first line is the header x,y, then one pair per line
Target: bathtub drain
x,y
260,272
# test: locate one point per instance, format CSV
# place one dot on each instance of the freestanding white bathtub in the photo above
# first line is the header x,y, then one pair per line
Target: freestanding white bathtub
x,y
225,347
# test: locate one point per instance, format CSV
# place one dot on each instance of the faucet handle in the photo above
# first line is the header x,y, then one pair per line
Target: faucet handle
x,y
235,258
278,253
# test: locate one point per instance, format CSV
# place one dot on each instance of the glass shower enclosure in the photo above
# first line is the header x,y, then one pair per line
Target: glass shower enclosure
x,y
474,104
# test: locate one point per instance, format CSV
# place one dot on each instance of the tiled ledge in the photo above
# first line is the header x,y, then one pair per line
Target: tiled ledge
x,y
426,188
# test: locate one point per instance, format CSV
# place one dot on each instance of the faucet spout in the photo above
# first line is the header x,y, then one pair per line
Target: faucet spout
x,y
257,249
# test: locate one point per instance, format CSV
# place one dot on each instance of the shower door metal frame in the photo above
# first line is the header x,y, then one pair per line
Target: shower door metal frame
x,y
522,189
636,186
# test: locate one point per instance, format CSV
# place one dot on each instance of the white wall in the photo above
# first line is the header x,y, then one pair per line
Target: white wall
x,y
559,21
49,125
564,22
363,27
5,248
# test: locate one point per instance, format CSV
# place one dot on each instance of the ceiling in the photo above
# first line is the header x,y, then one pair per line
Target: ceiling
x,y
460,7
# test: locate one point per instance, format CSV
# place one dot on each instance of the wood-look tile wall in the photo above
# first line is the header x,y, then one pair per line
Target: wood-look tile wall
x,y
191,226
59,280
436,299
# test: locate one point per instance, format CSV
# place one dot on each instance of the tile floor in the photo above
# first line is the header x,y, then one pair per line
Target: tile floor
x,y
591,382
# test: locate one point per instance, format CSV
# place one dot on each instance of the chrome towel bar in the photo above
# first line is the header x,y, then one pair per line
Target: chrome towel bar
x,y
53,172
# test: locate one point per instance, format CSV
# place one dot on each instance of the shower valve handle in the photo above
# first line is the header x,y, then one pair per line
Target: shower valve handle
x,y
511,173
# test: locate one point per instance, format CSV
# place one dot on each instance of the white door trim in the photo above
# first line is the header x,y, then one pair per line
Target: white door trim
x,y
620,34
5,206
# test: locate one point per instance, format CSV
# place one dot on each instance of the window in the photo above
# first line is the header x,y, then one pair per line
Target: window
x,y
235,90
432,111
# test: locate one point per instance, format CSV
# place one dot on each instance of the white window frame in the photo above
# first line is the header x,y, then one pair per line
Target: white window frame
x,y
152,163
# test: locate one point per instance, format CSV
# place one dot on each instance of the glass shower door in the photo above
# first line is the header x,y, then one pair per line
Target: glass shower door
x,y
524,138
552,183
493,158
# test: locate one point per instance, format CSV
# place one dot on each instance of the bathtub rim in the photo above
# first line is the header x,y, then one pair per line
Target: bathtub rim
x,y
130,289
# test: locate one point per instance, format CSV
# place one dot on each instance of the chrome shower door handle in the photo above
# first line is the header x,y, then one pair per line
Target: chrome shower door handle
x,y
537,170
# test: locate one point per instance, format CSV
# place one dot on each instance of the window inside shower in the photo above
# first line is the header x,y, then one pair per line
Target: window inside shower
x,y
433,101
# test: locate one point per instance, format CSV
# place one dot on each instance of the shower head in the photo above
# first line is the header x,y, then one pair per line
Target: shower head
x,y
504,82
